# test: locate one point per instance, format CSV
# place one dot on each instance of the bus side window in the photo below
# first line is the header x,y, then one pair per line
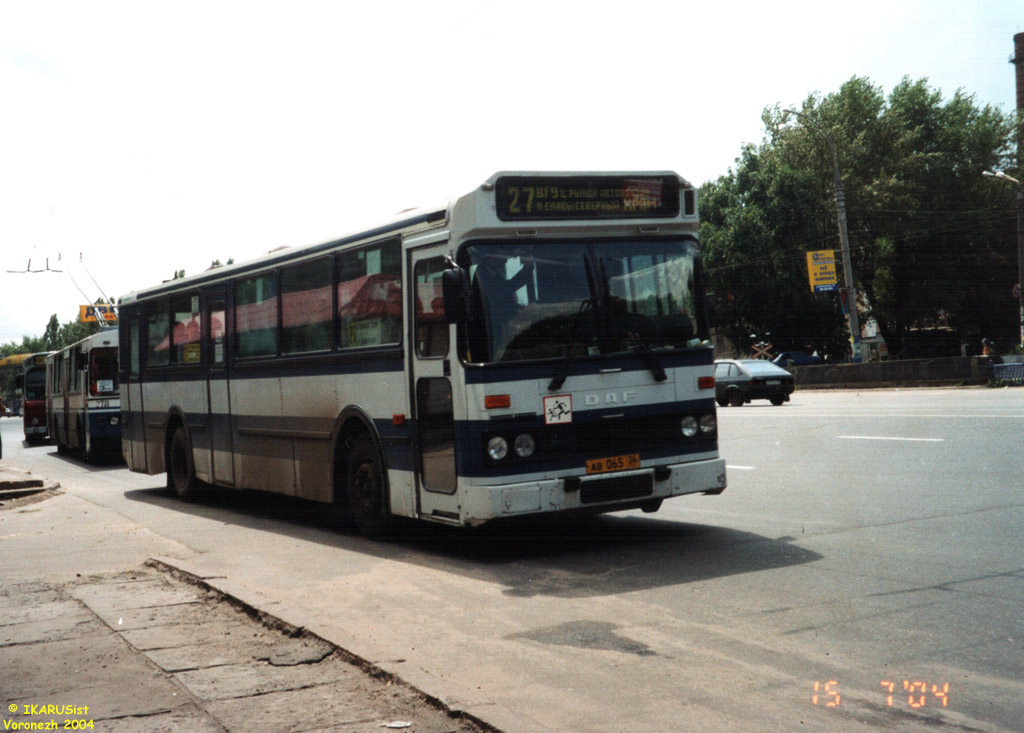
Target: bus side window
x,y
185,333
159,323
256,316
215,333
306,318
370,296
134,350
431,326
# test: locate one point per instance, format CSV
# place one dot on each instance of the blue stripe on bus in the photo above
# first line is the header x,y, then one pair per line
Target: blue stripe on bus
x,y
516,371
397,440
652,431
328,364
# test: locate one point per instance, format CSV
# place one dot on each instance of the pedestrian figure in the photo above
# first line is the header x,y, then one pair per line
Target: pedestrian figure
x,y
988,348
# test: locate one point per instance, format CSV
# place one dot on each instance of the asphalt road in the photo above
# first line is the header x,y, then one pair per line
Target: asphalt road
x,y
863,570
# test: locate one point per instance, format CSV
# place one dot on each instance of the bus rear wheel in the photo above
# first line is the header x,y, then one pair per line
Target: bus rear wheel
x,y
181,471
367,495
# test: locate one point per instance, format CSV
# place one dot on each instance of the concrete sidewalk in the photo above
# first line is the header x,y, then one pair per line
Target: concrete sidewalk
x,y
143,651
157,649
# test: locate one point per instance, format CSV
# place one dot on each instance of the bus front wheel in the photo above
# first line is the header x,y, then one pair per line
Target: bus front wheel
x,y
367,495
181,471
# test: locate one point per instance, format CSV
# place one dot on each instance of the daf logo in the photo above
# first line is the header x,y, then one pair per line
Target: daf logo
x,y
610,398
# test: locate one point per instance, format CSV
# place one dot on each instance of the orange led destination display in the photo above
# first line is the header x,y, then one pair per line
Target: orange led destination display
x,y
587,197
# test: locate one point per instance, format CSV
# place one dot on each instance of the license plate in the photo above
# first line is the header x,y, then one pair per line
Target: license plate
x,y
774,382
615,463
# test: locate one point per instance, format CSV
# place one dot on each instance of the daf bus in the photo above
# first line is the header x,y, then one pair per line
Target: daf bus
x,y
83,402
537,345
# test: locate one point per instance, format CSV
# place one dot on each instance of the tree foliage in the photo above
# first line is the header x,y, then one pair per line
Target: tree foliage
x,y
932,241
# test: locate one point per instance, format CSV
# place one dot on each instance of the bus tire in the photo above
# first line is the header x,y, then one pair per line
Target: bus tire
x,y
367,494
181,470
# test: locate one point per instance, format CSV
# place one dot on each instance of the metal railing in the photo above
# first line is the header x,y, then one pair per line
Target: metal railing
x,y
1009,373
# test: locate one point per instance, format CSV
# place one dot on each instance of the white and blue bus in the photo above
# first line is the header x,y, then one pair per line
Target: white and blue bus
x,y
538,345
83,402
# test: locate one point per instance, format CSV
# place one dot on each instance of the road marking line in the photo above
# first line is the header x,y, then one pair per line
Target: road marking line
x,y
739,468
880,437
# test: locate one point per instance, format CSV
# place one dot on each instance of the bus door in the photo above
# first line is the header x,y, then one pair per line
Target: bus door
x,y
431,386
63,419
218,389
133,415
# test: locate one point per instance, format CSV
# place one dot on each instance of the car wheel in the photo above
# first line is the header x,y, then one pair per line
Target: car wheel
x,y
722,402
735,398
777,400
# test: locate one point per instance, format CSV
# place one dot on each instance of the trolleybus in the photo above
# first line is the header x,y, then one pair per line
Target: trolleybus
x,y
537,345
33,405
83,402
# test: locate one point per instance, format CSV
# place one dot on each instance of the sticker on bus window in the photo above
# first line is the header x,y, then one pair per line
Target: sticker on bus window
x,y
558,409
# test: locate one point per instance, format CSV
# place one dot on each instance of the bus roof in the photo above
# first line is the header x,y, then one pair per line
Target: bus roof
x,y
13,360
402,220
405,219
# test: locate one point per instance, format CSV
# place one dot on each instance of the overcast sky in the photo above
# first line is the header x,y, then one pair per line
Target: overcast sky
x,y
140,138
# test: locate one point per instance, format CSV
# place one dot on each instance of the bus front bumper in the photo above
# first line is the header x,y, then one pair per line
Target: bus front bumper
x,y
607,492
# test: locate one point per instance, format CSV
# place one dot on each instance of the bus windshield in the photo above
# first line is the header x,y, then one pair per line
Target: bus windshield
x,y
103,372
35,384
545,300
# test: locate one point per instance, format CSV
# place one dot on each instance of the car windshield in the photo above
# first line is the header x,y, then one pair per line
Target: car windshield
x,y
550,300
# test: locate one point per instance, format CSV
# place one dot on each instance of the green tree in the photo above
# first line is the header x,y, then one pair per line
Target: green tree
x,y
51,336
931,240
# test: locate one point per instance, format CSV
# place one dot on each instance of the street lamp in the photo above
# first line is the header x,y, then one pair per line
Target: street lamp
x,y
844,237
1020,242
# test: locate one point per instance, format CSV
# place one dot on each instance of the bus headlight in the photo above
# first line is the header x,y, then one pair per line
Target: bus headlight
x,y
708,423
689,426
115,421
525,445
497,448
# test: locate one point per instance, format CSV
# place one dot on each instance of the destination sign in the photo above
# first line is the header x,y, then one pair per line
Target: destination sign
x,y
587,197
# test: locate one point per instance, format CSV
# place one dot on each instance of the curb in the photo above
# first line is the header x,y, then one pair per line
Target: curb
x,y
18,483
290,621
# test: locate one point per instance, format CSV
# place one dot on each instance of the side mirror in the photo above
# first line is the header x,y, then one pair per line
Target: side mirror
x,y
455,291
19,381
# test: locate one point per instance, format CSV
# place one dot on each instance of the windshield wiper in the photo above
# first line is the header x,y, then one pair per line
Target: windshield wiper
x,y
563,369
643,347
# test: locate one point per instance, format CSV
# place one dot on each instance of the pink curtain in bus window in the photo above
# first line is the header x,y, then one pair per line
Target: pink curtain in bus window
x,y
370,295
256,316
216,327
429,302
306,306
186,332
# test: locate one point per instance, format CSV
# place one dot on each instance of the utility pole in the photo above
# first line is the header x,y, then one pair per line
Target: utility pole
x,y
1018,62
844,237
